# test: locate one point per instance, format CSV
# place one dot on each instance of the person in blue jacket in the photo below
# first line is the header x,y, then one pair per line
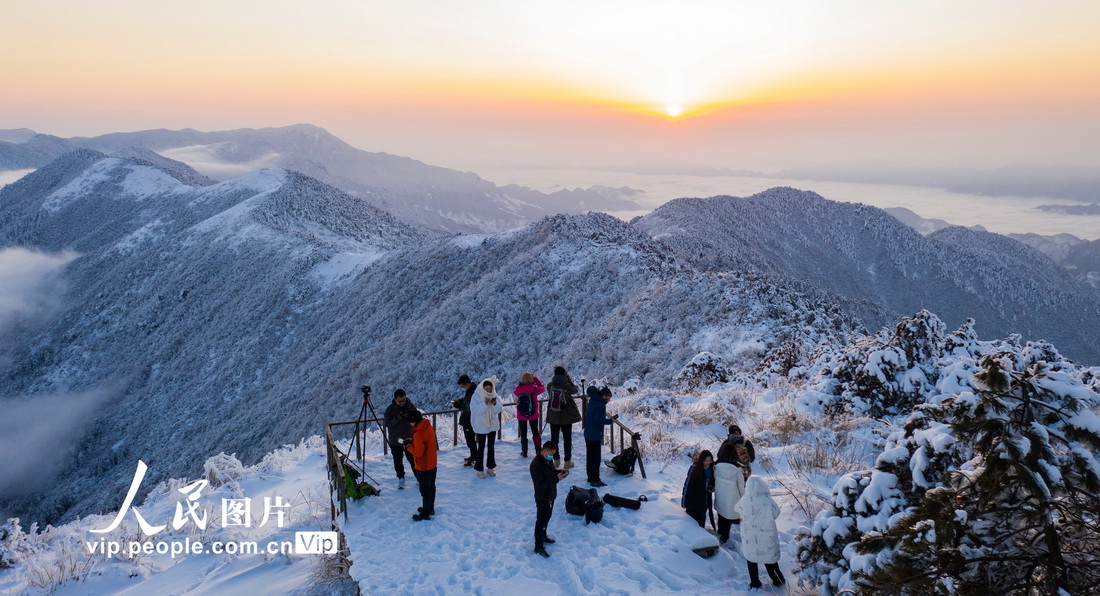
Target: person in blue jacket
x,y
595,418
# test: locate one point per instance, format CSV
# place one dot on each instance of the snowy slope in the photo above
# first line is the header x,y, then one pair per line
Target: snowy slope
x,y
479,541
249,311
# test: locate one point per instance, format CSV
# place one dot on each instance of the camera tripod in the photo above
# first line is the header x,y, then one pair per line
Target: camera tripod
x,y
360,429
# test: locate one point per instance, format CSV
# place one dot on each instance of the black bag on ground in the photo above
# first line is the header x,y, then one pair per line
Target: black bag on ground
x,y
586,502
623,463
622,502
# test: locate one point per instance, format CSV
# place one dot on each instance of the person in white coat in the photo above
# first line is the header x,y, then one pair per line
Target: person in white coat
x,y
485,405
729,487
759,536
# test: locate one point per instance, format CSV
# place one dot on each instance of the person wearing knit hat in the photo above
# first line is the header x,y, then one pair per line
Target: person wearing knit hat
x,y
527,410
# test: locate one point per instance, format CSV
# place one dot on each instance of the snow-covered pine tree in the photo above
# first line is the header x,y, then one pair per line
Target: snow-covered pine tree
x,y
704,370
1021,515
885,374
988,491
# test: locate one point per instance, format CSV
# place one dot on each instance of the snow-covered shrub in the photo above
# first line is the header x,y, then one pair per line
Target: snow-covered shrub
x,y
704,370
990,491
13,543
723,406
223,469
885,374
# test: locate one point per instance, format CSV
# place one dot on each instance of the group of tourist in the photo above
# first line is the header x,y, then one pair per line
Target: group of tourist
x,y
479,409
726,485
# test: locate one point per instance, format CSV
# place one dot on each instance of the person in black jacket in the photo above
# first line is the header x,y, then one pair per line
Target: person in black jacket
x,y
463,404
399,432
562,413
745,452
545,478
698,488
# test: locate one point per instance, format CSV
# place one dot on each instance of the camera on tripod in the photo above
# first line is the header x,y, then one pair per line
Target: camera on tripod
x,y
366,391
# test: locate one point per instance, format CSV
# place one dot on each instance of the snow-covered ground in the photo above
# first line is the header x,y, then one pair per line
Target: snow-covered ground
x,y
59,560
480,540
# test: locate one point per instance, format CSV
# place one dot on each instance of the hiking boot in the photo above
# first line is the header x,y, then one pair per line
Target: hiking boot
x,y
548,540
542,553
557,463
523,454
568,465
421,517
421,511
597,483
400,483
492,471
469,461
481,474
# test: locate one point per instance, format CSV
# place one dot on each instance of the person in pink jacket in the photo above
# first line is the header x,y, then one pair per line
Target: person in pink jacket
x,y
527,410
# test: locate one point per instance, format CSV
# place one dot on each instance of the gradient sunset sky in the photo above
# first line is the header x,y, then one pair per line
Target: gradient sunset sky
x,y
472,84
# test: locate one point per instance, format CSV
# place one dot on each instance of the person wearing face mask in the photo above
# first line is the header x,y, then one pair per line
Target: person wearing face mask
x,y
484,409
545,477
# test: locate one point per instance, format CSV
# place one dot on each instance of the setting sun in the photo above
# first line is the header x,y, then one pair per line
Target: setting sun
x,y
673,111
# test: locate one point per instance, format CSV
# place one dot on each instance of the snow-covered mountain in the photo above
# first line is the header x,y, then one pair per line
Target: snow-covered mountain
x,y
918,223
231,316
433,197
866,255
235,316
1081,257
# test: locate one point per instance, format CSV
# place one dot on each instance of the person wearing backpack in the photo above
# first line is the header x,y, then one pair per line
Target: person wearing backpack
x,y
527,410
595,418
463,405
561,414
399,432
759,536
424,448
484,409
744,452
729,487
545,478
696,496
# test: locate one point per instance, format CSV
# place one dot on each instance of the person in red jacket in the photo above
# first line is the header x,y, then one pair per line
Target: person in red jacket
x,y
423,449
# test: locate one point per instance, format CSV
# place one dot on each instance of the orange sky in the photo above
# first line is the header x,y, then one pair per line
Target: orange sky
x,y
487,82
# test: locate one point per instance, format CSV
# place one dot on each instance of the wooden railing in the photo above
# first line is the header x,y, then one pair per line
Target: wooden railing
x,y
335,455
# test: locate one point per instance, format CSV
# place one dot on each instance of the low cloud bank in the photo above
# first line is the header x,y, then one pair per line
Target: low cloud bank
x,y
37,437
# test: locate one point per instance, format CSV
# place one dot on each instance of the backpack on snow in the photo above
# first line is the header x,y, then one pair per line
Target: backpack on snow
x,y
525,405
623,463
586,502
355,489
